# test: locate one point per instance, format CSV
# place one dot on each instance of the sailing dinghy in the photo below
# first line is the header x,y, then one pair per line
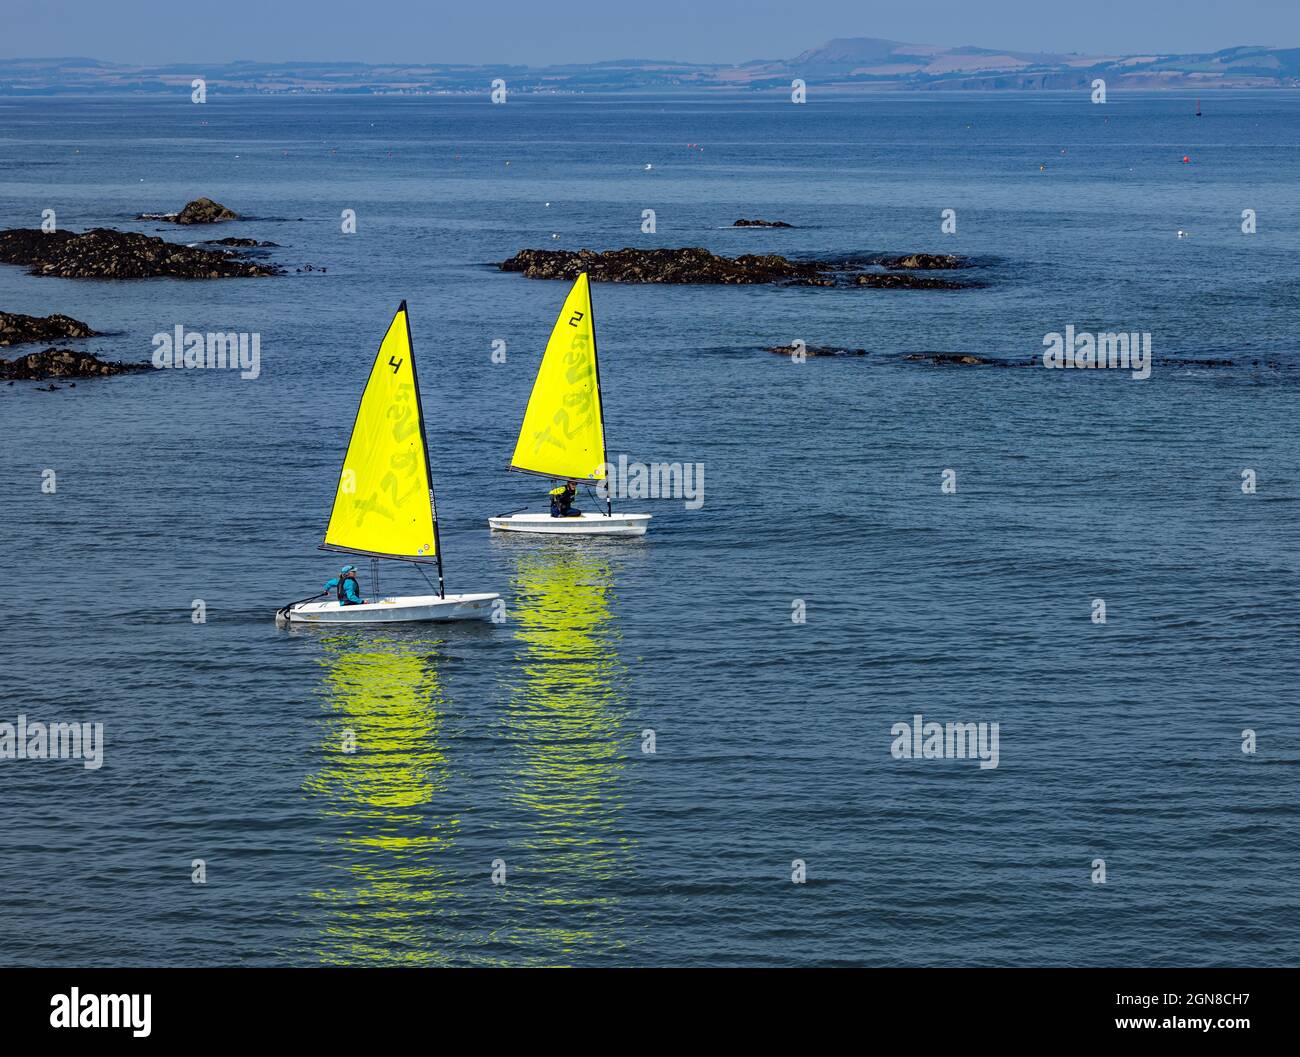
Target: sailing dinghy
x,y
384,506
563,432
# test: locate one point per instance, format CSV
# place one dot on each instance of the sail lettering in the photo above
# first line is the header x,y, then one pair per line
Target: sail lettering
x,y
403,462
371,506
390,483
543,436
580,400
403,426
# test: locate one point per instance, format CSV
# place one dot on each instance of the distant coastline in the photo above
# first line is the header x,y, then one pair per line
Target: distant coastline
x,y
858,63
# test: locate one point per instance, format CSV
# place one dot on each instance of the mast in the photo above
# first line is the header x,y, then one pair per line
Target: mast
x,y
600,404
428,470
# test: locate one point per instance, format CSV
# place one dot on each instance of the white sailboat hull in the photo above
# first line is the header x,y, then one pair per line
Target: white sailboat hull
x,y
395,610
585,524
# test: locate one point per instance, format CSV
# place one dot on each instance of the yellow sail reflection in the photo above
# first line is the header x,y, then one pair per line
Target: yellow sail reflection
x,y
568,719
384,698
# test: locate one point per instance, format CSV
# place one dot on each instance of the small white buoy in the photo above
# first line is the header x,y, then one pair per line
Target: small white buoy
x,y
555,234
648,166
1184,234
548,205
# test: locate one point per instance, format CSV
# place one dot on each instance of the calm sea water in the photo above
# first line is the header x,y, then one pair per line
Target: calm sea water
x,y
523,742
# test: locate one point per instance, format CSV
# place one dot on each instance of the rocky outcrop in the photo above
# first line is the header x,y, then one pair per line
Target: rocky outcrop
x,y
204,211
815,350
239,242
967,359
63,363
697,265
691,265
103,253
922,261
17,329
949,359
742,223
904,281
1170,361
200,211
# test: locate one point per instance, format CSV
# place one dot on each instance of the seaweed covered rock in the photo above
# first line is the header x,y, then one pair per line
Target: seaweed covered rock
x,y
947,358
231,241
922,261
628,265
697,265
104,253
904,281
17,329
63,363
814,350
203,211
966,359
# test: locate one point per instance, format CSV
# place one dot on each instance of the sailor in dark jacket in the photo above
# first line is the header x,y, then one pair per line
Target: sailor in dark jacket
x,y
562,500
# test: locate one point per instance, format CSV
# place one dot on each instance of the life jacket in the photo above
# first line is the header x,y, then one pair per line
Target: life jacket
x,y
341,592
562,500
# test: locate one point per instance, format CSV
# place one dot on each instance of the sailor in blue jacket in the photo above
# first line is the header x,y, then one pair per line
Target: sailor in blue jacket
x,y
345,587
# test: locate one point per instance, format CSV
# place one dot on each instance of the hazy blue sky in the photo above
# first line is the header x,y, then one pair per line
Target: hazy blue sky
x,y
156,32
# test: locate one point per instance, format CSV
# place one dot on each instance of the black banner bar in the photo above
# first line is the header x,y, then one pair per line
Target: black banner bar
x,y
1226,1006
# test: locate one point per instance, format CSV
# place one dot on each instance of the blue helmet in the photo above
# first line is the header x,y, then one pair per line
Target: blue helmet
x,y
347,569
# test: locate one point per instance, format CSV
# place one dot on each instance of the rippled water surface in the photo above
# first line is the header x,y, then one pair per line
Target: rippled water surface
x,y
523,742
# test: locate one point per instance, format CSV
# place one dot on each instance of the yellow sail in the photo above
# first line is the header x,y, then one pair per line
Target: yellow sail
x,y
563,435
384,502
